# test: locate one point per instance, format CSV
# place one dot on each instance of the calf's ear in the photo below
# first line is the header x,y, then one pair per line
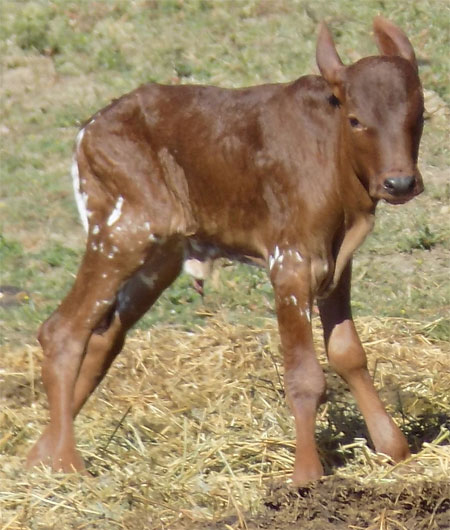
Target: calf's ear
x,y
392,41
327,58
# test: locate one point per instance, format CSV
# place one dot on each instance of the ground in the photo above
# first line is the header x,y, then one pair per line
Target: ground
x,y
191,430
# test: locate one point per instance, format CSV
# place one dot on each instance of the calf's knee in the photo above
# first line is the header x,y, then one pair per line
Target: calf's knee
x,y
345,351
47,335
62,348
305,383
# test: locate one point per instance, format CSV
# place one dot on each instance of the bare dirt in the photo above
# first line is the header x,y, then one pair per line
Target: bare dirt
x,y
336,503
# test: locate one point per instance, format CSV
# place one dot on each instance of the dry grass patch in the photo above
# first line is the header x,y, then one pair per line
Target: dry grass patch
x,y
192,427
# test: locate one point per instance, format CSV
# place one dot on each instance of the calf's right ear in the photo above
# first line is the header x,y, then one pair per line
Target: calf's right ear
x,y
391,40
327,58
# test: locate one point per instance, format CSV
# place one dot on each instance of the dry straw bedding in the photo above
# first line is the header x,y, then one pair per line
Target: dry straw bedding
x,y
192,426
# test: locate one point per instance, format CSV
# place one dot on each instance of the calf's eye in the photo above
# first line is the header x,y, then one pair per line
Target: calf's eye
x,y
354,122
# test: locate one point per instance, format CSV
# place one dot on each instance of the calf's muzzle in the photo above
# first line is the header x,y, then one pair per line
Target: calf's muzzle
x,y
398,187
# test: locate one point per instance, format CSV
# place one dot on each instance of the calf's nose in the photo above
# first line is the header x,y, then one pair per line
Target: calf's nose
x,y
399,185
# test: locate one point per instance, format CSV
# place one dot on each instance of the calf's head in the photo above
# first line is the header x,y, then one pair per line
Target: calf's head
x,y
381,106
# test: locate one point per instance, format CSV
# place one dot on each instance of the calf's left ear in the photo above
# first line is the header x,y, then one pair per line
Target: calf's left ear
x,y
327,58
392,41
329,62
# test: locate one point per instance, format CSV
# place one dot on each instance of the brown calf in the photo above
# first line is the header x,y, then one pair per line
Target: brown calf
x,y
286,176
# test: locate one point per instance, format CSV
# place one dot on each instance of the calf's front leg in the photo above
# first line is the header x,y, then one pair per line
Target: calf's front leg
x,y
348,358
304,379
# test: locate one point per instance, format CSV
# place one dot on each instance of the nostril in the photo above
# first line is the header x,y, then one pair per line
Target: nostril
x,y
389,184
399,185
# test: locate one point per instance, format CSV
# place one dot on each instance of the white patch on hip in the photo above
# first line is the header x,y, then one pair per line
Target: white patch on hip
x,y
79,139
116,213
80,198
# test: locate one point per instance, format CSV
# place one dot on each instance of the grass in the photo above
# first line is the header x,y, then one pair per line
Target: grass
x,y
64,60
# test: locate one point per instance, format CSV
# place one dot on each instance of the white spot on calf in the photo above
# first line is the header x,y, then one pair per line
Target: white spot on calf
x,y
80,198
291,300
148,279
275,257
308,313
276,253
116,213
114,250
298,256
102,302
80,136
278,257
95,229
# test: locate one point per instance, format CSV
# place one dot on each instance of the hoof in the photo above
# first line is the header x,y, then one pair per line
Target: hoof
x,y
304,475
62,463
68,463
393,444
64,459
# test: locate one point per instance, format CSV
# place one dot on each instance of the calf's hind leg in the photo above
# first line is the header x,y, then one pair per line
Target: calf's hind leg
x,y
136,297
65,337
347,357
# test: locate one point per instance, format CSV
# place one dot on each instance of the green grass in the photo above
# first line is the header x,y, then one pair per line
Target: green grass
x,y
64,60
